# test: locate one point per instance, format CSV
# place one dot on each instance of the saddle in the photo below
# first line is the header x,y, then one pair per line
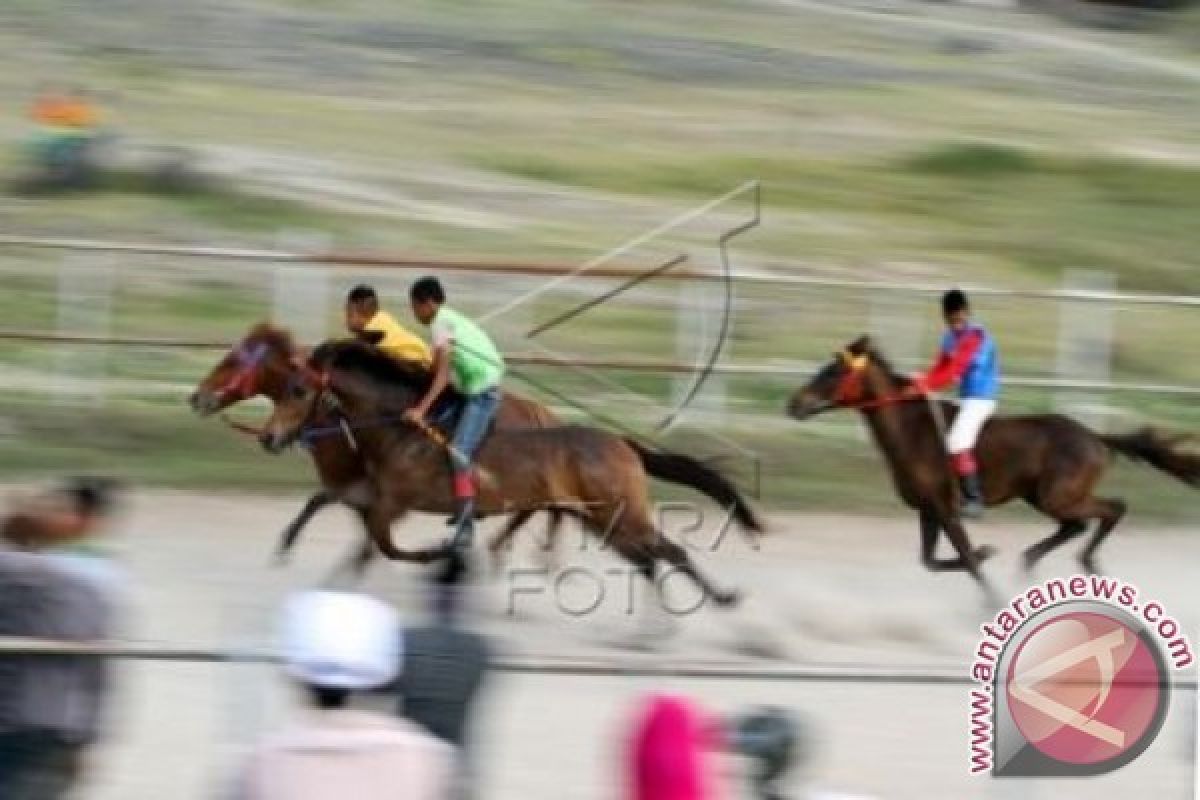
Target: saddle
x,y
446,411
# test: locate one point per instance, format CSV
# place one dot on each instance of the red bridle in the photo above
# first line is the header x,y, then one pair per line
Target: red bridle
x,y
850,388
244,382
246,379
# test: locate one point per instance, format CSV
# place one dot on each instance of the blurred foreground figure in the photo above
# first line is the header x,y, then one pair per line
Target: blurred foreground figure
x,y
444,669
772,739
337,643
668,752
54,584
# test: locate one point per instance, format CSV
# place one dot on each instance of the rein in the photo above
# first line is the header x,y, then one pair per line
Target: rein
x,y
850,388
241,427
309,433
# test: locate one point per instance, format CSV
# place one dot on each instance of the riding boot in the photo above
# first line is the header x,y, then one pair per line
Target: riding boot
x,y
463,522
972,495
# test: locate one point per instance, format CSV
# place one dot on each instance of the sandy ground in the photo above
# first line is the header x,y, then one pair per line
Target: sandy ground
x,y
820,589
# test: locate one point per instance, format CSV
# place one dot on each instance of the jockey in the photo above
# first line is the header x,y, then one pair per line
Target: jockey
x,y
466,357
968,356
366,321
65,122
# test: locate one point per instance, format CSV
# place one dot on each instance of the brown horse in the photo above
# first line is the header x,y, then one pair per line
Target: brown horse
x,y
259,365
598,477
1051,462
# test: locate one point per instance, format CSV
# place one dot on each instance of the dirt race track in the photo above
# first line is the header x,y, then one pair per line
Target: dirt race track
x,y
821,589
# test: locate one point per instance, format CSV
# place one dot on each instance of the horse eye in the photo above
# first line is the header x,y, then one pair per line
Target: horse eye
x,y
299,391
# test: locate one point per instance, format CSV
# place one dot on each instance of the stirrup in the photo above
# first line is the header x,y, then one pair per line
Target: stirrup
x,y
972,508
464,535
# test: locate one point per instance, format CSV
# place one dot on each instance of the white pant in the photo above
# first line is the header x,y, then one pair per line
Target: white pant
x,y
972,413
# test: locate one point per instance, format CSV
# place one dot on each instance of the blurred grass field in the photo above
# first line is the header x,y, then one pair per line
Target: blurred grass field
x,y
926,142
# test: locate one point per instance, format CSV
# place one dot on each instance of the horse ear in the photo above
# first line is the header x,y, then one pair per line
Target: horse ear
x,y
861,345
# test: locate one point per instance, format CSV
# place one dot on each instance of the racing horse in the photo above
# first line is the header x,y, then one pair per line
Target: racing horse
x,y
259,365
1050,461
598,477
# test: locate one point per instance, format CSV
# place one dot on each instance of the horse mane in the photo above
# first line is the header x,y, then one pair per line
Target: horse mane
x,y
865,345
880,359
274,337
371,362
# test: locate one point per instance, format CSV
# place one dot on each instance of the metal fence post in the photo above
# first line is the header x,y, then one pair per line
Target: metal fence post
x,y
300,300
899,322
1085,335
85,289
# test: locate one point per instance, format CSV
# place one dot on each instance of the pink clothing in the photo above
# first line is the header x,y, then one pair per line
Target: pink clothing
x,y
339,755
668,758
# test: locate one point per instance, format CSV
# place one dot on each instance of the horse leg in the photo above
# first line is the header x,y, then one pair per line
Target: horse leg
x,y
679,559
552,529
957,535
315,503
1110,514
931,526
355,565
503,540
549,549
366,552
378,518
1067,529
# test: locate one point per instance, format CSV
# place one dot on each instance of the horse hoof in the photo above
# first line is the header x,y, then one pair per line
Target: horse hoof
x,y
984,552
1090,567
1029,560
727,599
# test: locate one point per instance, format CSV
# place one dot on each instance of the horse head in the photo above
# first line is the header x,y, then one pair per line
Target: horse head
x,y
363,381
257,365
296,411
858,376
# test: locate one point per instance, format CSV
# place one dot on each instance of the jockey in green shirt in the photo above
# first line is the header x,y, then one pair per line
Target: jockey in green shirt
x,y
465,357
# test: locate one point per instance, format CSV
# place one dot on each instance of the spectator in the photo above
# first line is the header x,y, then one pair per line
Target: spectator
x,y
337,643
51,708
668,757
66,125
772,739
67,525
444,669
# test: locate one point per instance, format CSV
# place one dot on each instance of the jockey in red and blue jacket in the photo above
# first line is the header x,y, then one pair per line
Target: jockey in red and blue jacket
x,y
967,356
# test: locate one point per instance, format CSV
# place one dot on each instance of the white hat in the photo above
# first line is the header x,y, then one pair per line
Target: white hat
x,y
341,640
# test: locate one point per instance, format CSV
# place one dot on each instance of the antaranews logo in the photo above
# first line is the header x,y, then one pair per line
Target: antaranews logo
x,y
1073,679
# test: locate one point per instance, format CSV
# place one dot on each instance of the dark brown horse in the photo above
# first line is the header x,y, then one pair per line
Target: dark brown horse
x,y
1051,462
598,477
259,365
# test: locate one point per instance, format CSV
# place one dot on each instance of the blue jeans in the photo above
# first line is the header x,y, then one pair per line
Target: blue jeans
x,y
478,411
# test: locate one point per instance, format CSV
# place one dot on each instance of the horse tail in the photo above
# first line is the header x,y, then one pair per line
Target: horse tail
x,y
1166,452
688,471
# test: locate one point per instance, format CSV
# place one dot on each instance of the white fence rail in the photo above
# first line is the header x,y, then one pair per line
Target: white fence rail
x,y
599,667
301,289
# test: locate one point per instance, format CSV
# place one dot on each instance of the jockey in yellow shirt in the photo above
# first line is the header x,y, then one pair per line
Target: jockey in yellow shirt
x,y
366,321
